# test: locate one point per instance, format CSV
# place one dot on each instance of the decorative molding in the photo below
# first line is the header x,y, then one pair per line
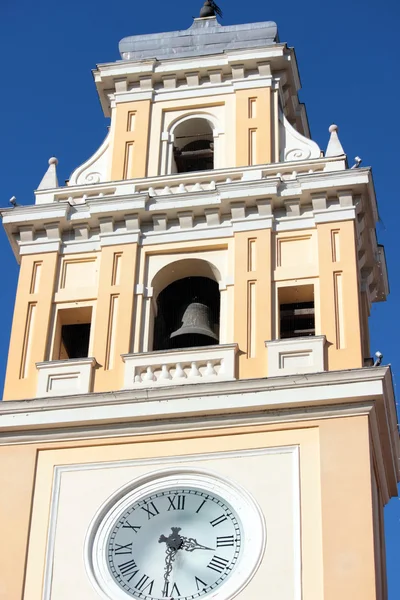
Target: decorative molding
x,y
95,169
293,145
60,377
296,356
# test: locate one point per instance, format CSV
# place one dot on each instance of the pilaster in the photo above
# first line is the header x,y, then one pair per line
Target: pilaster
x,y
31,322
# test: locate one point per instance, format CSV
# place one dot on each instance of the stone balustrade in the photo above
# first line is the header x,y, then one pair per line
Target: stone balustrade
x,y
180,367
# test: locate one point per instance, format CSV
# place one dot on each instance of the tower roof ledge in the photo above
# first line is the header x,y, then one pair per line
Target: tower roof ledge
x,y
205,36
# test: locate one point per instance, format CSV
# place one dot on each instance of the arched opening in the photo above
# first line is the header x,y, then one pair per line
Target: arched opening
x,y
187,314
193,146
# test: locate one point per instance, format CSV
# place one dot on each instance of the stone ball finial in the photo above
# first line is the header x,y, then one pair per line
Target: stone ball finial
x,y
333,128
53,161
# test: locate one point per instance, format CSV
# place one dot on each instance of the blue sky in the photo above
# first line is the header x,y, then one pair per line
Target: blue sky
x,y
348,58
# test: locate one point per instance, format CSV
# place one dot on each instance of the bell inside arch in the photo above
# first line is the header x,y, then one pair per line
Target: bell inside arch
x,y
187,314
196,329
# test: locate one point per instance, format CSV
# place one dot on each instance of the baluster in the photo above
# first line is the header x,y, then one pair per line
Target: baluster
x,y
149,375
210,369
179,372
194,371
165,374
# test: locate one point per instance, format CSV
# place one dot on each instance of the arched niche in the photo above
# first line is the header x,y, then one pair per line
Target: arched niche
x,y
176,271
191,143
193,146
188,314
179,269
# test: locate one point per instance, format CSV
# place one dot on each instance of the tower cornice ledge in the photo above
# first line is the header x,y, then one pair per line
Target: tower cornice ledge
x,y
367,391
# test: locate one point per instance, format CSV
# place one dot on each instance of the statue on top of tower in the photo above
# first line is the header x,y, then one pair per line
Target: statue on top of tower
x,y
210,9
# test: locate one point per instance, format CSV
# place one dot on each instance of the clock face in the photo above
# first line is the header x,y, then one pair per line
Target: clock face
x,y
177,543
175,534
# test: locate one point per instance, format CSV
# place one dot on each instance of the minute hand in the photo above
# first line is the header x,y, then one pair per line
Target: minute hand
x,y
190,544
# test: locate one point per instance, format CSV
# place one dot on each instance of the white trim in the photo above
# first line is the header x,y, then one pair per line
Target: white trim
x,y
187,235
294,223
133,96
39,247
253,224
335,214
200,399
247,84
251,519
117,238
59,470
208,423
72,247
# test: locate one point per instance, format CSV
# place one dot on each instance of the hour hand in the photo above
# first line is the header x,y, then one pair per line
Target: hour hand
x,y
191,544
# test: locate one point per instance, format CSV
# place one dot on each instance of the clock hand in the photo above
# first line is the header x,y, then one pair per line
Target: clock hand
x,y
174,543
169,559
174,540
190,544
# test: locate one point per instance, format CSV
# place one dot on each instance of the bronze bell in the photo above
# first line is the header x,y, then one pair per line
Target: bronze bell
x,y
196,329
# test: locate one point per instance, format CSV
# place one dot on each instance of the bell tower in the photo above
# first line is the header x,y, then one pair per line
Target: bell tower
x,y
190,407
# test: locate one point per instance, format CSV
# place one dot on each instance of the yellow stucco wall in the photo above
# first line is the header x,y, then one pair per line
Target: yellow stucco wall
x,y
340,300
256,269
129,143
32,315
253,127
114,314
334,467
243,121
252,301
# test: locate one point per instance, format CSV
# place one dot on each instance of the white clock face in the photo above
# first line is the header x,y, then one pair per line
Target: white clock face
x,y
177,543
175,534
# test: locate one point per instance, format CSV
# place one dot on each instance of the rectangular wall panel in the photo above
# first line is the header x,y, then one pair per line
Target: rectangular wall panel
x,y
112,332
116,273
335,245
35,282
339,312
252,319
28,339
251,256
128,164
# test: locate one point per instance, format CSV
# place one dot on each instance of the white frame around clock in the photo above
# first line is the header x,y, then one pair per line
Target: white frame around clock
x,y
250,517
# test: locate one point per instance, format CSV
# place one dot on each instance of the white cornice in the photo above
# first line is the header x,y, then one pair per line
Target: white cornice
x,y
212,406
108,77
264,197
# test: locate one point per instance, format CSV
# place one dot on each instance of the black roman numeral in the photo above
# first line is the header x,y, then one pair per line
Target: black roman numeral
x,y
201,506
129,526
144,584
127,549
128,568
218,520
201,585
167,592
177,503
217,564
150,509
225,540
